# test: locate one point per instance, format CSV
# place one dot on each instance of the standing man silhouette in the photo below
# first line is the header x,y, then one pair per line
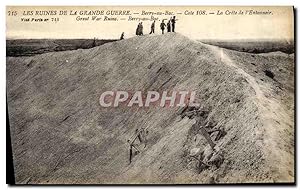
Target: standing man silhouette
x,y
162,26
152,27
141,29
169,25
173,21
122,36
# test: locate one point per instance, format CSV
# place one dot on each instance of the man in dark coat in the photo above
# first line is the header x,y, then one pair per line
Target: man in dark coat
x,y
122,36
162,26
169,26
152,27
137,29
173,21
141,29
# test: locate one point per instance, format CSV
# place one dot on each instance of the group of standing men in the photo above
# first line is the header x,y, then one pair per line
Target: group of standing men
x,y
170,26
139,29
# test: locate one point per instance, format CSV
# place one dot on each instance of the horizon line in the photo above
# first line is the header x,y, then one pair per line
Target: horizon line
x,y
219,39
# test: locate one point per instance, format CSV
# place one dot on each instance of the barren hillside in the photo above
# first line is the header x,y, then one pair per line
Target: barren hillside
x,y
60,133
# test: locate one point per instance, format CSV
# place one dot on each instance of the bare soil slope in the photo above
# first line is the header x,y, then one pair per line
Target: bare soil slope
x,y
60,133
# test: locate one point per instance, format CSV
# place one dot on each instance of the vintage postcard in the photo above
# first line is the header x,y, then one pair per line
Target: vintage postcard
x,y
151,94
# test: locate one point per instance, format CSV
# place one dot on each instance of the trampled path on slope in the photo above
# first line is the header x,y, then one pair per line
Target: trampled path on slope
x,y
270,111
219,53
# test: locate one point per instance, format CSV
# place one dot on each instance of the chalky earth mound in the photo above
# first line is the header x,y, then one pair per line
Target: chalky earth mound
x,y
61,134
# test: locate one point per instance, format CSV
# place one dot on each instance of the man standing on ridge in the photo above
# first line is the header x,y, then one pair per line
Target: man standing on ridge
x,y
141,29
162,26
169,25
122,36
152,27
173,21
137,29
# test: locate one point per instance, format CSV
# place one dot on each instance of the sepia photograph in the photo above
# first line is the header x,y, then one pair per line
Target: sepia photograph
x,y
151,95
